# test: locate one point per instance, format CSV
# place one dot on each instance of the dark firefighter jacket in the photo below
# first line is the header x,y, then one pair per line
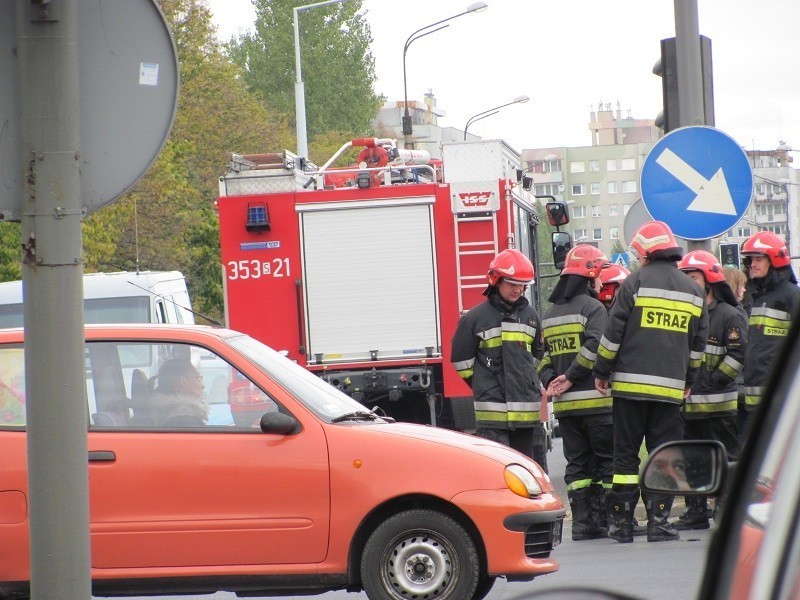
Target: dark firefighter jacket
x,y
776,298
496,349
714,393
572,332
655,336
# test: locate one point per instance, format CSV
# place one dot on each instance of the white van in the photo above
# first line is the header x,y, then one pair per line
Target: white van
x,y
122,297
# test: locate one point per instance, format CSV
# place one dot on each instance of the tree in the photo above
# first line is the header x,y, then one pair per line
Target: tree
x,y
337,66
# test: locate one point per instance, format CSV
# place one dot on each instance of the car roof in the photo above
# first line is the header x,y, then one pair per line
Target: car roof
x,y
146,331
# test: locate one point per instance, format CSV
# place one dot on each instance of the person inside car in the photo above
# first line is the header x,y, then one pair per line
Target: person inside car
x,y
178,399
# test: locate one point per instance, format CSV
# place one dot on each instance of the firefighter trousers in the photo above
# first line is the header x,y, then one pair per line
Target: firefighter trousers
x,y
588,442
635,421
530,441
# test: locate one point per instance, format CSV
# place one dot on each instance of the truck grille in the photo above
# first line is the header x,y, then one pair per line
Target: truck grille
x,y
541,538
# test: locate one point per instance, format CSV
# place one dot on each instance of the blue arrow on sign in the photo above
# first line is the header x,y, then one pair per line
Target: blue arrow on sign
x,y
698,181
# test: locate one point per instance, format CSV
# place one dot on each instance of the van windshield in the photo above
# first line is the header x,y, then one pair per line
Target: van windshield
x,y
125,309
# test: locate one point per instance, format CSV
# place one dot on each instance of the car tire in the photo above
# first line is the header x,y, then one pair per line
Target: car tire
x,y
484,587
420,554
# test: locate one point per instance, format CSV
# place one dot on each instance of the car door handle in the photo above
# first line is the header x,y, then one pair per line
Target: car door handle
x,y
102,455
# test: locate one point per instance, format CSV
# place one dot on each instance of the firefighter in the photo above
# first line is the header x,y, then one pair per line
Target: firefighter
x,y
572,330
775,298
611,277
648,358
709,412
496,349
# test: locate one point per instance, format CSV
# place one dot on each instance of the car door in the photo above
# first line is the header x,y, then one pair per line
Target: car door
x,y
215,495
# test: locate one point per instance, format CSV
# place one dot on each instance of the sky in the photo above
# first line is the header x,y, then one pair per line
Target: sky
x,y
569,56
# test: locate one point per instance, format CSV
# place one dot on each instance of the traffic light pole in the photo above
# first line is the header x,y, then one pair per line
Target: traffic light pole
x,y
690,76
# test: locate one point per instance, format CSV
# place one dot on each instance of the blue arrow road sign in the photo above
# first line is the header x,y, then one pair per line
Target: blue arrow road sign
x,y
698,181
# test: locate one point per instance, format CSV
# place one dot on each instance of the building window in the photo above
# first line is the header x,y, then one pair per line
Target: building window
x,y
594,188
613,210
580,235
578,189
628,187
743,232
578,212
628,164
596,210
761,189
547,189
544,166
625,208
613,233
594,166
611,165
597,234
577,166
612,187
776,229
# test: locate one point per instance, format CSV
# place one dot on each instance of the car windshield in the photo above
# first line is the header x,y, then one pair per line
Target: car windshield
x,y
323,399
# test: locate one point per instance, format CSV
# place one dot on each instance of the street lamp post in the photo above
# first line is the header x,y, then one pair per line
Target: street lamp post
x,y
408,128
492,111
299,89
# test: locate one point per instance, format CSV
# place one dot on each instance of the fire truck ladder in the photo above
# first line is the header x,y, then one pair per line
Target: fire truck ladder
x,y
471,231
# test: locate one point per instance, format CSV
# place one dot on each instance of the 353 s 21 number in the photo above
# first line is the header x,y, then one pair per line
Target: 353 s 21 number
x,y
255,269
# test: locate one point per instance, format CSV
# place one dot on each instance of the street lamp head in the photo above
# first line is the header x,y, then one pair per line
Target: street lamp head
x,y
521,99
492,111
477,7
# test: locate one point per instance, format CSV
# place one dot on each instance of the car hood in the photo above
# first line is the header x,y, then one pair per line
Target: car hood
x,y
460,441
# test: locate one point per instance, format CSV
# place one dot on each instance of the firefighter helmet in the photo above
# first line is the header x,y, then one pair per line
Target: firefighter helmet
x,y
652,237
706,263
611,276
584,260
511,265
768,244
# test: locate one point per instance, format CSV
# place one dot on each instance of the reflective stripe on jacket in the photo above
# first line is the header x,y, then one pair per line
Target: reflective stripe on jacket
x,y
496,350
572,334
775,300
655,337
715,393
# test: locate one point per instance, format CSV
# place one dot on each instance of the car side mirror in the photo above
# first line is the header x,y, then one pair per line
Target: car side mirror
x,y
562,243
557,213
686,467
280,423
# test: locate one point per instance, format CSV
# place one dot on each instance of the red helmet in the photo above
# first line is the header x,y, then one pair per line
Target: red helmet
x,y
611,276
705,262
511,265
768,244
652,237
584,260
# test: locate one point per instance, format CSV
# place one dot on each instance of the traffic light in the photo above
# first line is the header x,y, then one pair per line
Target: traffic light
x,y
667,68
729,255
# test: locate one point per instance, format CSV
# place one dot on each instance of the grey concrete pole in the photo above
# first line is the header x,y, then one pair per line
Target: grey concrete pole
x,y
52,286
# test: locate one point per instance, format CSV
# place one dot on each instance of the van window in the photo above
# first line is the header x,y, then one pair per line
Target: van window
x,y
134,309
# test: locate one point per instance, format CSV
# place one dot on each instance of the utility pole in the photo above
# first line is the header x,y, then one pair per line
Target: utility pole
x,y
52,269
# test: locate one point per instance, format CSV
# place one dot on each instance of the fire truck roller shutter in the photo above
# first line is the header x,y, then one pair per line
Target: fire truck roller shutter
x,y
370,280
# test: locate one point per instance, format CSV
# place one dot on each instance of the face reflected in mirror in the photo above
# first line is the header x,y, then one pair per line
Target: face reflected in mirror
x,y
667,471
682,468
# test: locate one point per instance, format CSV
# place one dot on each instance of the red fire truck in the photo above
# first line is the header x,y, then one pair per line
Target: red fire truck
x,y
360,274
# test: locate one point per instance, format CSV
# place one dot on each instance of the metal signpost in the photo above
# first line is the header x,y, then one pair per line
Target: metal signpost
x,y
698,181
88,93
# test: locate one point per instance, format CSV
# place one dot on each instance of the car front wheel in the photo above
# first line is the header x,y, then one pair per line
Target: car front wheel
x,y
420,554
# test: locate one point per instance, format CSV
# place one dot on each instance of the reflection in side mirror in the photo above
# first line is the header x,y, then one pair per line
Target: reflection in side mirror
x,y
562,242
280,423
688,467
557,213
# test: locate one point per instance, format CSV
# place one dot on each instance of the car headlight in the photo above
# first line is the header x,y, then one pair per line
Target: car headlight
x,y
521,481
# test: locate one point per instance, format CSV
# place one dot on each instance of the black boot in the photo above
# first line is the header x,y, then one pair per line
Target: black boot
x,y
659,528
583,527
695,516
598,508
620,509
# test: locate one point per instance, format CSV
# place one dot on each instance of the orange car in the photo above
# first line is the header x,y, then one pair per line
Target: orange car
x,y
317,493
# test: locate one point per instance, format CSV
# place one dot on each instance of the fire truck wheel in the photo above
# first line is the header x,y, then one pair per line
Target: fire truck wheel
x,y
420,554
